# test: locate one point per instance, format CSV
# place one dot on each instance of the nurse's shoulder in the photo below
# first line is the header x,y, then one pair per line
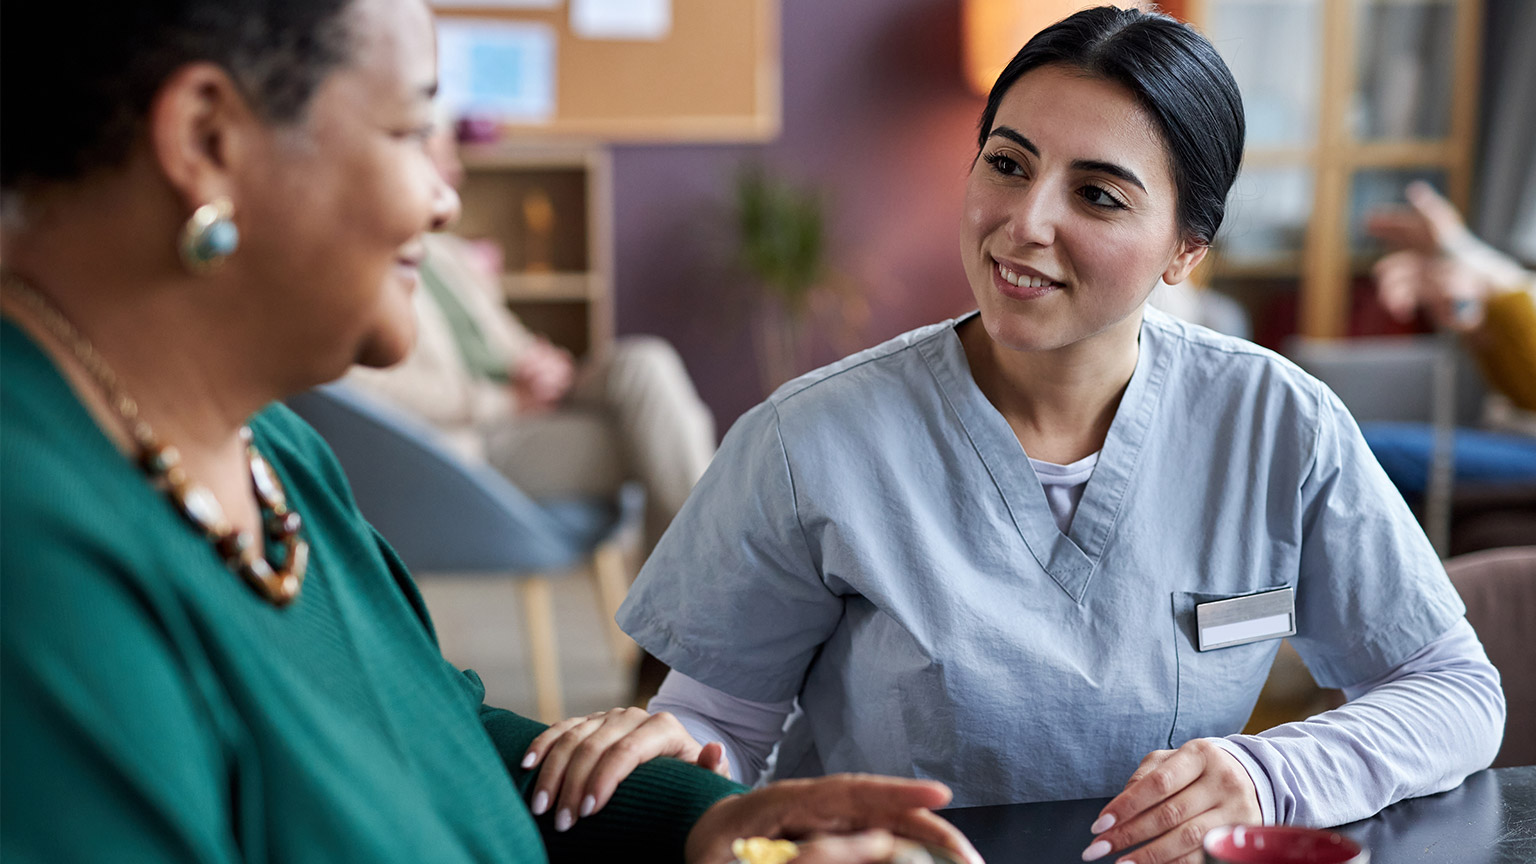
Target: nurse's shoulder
x,y
887,382
1213,370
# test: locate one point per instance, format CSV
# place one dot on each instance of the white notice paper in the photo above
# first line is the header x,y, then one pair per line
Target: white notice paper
x,y
499,4
503,70
621,19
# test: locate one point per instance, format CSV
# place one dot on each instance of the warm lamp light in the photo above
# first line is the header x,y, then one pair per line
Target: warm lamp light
x,y
994,30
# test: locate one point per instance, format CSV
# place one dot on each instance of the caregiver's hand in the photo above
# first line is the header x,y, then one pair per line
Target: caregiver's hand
x,y
862,811
584,758
1174,797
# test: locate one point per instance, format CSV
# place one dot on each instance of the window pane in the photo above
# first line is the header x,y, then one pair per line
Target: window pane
x,y
1267,216
1273,48
1406,54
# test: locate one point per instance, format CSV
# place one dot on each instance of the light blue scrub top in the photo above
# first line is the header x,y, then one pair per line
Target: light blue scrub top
x,y
873,540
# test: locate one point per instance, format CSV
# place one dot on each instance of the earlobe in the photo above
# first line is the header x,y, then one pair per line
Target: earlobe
x,y
195,127
1189,256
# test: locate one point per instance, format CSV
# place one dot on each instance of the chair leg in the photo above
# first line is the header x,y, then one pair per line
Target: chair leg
x,y
543,657
612,584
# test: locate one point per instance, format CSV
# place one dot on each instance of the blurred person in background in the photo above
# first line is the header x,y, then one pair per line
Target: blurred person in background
x,y
1437,268
503,394
206,654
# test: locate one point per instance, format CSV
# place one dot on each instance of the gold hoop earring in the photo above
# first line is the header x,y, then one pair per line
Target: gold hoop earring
x,y
209,237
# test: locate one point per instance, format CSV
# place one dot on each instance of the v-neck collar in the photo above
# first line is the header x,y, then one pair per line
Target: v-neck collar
x,y
1070,559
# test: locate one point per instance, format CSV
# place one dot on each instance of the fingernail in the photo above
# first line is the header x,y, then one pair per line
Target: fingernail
x,y
588,804
564,820
1094,852
531,758
1106,822
540,803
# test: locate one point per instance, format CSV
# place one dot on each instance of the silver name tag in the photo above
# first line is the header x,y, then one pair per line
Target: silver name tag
x,y
1240,620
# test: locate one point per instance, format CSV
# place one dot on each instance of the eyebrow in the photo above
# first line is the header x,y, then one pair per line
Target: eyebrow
x,y
1097,165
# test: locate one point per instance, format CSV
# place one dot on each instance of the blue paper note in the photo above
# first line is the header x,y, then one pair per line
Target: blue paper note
x,y
497,69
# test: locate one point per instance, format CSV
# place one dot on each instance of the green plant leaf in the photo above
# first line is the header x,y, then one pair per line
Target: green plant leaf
x,y
782,237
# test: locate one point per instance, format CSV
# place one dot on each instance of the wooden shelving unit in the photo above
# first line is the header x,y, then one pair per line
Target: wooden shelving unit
x,y
549,207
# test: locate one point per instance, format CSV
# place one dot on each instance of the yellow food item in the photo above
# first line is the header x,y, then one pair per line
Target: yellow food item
x,y
761,850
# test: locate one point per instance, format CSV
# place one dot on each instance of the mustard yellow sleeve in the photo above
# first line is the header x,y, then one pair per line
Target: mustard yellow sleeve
x,y
1506,346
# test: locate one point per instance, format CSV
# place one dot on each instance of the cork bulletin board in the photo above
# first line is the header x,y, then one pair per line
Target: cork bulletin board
x,y
713,77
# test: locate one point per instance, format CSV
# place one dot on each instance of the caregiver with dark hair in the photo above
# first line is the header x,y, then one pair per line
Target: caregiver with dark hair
x,y
207,654
1051,547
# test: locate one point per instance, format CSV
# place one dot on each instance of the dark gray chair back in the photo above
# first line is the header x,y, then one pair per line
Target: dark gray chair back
x,y
440,512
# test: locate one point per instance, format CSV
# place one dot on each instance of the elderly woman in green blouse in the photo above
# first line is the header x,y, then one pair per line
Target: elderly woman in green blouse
x,y
207,654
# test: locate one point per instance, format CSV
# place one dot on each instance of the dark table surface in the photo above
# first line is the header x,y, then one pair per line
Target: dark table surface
x,y
1489,819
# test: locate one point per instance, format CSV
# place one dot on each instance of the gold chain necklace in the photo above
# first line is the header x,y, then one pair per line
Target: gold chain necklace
x,y
241,552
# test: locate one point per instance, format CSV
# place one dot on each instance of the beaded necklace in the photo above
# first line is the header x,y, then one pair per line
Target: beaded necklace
x,y
241,552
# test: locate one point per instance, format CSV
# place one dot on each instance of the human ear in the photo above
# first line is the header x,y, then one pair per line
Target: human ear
x,y
200,129
1189,255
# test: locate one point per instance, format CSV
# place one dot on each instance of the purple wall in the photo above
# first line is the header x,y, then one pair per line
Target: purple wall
x,y
876,116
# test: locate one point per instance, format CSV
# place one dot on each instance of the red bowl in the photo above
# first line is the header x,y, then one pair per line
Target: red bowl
x,y
1281,844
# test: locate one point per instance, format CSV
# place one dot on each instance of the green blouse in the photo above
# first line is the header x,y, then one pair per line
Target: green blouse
x,y
155,709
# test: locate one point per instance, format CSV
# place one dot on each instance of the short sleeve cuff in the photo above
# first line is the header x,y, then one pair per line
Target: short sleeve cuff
x,y
1256,773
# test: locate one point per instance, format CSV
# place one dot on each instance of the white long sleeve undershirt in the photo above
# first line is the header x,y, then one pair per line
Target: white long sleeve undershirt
x,y
748,730
1419,729
1416,730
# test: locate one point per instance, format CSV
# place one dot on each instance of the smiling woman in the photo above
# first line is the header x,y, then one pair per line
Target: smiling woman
x,y
207,654
1071,216
335,209
1048,550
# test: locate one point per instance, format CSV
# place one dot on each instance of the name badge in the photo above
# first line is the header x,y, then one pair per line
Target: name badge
x,y
1240,620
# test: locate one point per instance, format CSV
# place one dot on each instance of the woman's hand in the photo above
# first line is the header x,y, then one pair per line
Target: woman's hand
x,y
1450,292
1437,265
863,811
1172,800
584,758
543,376
1429,225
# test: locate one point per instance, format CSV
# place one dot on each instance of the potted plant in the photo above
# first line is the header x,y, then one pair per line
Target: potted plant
x,y
782,246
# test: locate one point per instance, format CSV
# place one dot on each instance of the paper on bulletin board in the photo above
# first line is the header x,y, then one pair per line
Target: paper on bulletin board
x,y
499,4
621,19
496,69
